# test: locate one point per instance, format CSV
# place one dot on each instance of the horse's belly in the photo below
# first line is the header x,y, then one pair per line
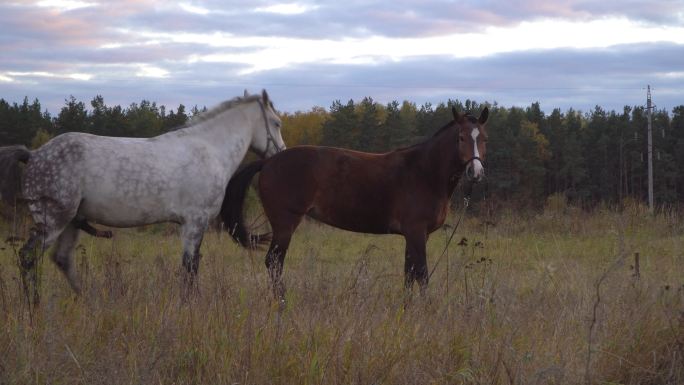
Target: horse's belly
x,y
366,220
126,213
146,199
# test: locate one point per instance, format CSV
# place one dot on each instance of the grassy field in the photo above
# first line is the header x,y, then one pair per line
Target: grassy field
x,y
552,298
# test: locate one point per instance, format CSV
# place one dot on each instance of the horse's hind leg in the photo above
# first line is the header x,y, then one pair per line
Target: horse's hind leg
x,y
62,255
283,227
274,263
29,256
50,220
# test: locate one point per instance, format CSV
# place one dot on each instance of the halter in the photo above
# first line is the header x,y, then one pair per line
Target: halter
x,y
475,152
472,159
465,165
269,135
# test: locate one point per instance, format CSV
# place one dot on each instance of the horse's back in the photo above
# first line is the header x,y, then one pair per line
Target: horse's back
x,y
124,181
70,162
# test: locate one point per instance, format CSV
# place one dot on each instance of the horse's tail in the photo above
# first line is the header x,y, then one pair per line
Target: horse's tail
x,y
10,171
233,203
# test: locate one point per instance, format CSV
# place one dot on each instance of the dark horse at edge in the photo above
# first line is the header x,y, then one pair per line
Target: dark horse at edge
x,y
405,192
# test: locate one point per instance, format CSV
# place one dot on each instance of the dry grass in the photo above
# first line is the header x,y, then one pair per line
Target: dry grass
x,y
517,308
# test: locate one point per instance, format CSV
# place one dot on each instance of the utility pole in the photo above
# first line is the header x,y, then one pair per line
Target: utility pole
x,y
649,107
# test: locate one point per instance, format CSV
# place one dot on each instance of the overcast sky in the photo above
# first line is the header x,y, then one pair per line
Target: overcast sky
x,y
568,53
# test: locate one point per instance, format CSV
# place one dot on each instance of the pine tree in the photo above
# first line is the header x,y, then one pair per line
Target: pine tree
x,y
174,120
144,119
338,130
73,117
98,116
369,136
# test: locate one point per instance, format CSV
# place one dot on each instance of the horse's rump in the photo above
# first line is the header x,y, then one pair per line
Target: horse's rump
x,y
10,171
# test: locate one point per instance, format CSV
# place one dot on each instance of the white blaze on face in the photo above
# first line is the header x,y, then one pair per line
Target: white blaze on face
x,y
478,170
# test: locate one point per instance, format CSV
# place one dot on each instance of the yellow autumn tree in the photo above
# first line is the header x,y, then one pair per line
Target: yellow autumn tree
x,y
531,130
304,127
41,137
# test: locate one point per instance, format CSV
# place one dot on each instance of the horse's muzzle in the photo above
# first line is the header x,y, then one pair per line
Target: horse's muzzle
x,y
474,170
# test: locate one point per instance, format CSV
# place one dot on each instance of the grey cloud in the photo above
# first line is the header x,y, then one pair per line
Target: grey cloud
x,y
36,39
36,28
91,26
88,58
564,78
668,12
421,18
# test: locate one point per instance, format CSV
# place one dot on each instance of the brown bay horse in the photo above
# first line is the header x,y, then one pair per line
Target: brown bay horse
x,y
405,192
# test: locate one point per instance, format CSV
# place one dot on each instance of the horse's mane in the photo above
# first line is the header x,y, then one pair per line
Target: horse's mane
x,y
228,104
468,115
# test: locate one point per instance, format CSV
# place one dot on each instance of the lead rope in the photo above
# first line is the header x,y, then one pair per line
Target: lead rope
x,y
466,203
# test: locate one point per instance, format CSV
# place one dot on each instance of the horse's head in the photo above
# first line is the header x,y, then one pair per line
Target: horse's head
x,y
472,142
266,137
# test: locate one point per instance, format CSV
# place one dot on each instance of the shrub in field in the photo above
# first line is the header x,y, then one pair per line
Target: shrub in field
x,y
556,204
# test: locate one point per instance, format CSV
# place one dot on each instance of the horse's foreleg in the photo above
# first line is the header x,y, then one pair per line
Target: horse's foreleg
x,y
408,269
192,233
415,263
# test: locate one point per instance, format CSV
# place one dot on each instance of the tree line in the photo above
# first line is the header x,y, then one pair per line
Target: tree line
x,y
588,157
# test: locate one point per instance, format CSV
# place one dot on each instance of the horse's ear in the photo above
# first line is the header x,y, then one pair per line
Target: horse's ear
x,y
246,93
483,116
458,117
264,97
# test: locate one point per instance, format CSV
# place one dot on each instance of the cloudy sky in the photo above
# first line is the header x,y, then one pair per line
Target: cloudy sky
x,y
567,53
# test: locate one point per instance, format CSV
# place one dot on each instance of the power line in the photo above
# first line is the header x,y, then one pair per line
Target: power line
x,y
437,87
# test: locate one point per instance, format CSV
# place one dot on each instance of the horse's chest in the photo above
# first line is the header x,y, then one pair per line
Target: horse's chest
x,y
441,213
436,214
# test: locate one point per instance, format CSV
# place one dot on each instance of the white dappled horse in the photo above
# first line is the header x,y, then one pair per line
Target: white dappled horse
x,y
180,176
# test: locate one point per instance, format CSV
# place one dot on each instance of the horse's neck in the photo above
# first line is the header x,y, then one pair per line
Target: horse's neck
x,y
225,128
442,162
227,136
